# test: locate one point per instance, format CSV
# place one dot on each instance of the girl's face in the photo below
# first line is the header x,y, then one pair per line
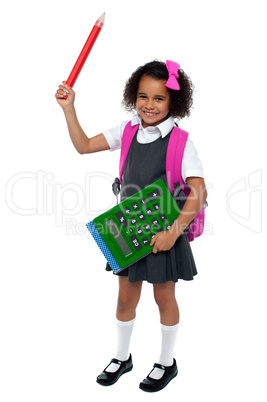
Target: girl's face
x,y
153,101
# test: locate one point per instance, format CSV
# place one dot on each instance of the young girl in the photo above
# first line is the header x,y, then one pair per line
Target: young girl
x,y
159,93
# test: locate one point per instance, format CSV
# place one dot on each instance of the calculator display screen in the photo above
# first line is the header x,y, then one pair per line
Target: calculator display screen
x,y
118,237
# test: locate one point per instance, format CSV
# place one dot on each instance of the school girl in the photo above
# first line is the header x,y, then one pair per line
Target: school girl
x,y
158,93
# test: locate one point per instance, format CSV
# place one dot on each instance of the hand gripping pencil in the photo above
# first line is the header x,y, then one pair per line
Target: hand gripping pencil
x,y
85,51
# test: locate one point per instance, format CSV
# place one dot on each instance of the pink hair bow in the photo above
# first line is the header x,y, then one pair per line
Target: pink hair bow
x,y
172,68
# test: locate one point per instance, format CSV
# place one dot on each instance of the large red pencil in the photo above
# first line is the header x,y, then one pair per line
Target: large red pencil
x,y
85,51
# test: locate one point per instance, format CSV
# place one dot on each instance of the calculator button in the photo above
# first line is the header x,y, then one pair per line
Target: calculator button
x,y
162,217
156,207
135,206
129,230
155,222
149,211
154,194
147,227
159,230
141,217
121,218
136,243
127,211
139,231
142,201
167,226
133,221
145,241
152,235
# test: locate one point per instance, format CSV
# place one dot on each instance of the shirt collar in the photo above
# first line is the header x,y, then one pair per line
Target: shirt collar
x,y
163,128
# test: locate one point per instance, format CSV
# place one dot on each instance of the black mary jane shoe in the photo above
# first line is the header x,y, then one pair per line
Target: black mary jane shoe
x,y
106,378
151,385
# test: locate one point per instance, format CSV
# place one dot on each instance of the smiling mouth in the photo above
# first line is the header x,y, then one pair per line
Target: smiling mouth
x,y
149,114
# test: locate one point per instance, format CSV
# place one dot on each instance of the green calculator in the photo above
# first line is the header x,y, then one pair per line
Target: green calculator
x,y
124,232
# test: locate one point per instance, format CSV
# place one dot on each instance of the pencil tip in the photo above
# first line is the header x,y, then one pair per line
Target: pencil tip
x,y
102,18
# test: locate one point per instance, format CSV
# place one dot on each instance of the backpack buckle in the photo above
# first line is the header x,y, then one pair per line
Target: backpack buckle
x,y
116,187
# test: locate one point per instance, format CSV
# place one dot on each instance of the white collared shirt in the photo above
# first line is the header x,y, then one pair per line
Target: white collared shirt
x,y
191,164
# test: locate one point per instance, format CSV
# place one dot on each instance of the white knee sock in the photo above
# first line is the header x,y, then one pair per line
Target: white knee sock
x,y
124,332
168,338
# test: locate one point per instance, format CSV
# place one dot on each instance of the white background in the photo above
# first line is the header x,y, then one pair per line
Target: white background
x,y
57,302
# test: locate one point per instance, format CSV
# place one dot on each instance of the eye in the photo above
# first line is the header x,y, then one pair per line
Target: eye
x,y
159,99
142,96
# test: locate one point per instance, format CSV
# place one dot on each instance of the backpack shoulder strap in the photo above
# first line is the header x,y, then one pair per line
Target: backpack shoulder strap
x,y
127,137
174,157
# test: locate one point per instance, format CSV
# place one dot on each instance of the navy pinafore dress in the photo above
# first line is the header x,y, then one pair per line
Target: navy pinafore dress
x,y
145,164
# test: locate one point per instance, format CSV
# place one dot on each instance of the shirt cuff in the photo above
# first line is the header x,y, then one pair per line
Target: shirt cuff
x,y
113,143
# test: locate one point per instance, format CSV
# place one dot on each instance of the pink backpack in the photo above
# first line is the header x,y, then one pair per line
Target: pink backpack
x,y
174,159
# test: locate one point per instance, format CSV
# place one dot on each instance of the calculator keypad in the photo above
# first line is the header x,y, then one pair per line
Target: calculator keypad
x,y
133,221
145,241
122,219
141,223
128,211
162,217
149,211
156,206
140,232
147,227
143,201
141,217
137,245
135,206
154,194
155,222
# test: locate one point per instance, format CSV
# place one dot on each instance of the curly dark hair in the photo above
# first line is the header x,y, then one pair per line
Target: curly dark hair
x,y
180,101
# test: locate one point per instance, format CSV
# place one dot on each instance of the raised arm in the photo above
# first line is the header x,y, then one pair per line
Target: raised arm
x,y
81,142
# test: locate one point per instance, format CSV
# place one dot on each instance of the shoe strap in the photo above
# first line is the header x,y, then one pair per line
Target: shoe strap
x,y
119,362
160,366
116,361
167,369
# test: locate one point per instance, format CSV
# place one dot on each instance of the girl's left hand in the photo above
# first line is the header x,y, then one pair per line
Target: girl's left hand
x,y
163,241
